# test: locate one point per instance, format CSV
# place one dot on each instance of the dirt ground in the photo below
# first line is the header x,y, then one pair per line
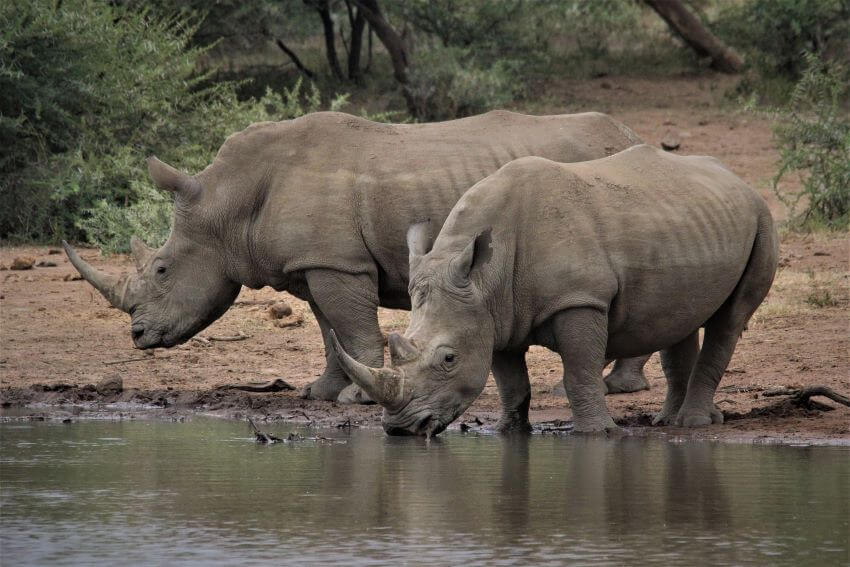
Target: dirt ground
x,y
58,337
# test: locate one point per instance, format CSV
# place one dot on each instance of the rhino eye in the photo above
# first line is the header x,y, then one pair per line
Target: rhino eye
x,y
449,358
160,270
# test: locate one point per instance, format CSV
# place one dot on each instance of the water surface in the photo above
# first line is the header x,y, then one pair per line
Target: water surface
x,y
203,493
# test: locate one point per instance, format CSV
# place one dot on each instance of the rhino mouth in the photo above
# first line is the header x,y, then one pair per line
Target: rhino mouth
x,y
423,423
147,336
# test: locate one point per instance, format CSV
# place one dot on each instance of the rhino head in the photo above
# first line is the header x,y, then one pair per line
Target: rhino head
x,y
440,365
178,289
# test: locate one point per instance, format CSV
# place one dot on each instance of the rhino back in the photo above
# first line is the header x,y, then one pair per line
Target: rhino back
x,y
337,191
641,234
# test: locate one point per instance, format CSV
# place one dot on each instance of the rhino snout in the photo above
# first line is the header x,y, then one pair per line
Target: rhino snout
x,y
426,425
144,337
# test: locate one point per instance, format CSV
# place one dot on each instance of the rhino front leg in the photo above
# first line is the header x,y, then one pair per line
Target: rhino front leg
x,y
581,335
348,304
511,376
627,375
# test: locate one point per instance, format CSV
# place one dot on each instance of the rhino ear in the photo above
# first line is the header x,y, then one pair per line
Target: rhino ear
x,y
170,179
477,253
419,241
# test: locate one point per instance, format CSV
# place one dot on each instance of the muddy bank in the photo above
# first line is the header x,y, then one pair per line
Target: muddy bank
x,y
778,421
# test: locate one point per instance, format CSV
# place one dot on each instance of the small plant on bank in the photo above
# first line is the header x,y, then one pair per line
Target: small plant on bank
x,y
821,298
813,134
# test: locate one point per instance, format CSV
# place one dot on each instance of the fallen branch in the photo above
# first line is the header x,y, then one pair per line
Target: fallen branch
x,y
240,336
732,389
128,360
244,302
801,396
278,385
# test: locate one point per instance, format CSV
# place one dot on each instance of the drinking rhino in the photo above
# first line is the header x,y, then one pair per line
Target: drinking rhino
x,y
615,257
319,206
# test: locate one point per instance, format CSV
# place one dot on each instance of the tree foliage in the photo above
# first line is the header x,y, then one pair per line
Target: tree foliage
x,y
87,91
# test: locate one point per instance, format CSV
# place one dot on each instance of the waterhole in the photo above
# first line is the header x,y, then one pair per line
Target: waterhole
x,y
204,493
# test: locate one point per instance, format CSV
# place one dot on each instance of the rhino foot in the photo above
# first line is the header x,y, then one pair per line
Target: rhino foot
x,y
624,379
698,417
512,423
327,387
598,424
354,394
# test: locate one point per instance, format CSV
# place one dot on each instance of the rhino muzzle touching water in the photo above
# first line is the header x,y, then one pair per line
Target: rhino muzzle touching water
x,y
597,260
319,207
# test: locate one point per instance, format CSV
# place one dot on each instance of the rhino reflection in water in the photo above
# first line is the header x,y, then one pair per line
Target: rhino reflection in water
x,y
319,207
646,248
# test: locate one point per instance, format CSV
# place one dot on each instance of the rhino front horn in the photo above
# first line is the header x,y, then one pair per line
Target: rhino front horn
x,y
112,288
384,385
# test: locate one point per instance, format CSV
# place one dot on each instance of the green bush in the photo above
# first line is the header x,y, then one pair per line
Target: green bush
x,y
87,91
448,83
109,224
813,134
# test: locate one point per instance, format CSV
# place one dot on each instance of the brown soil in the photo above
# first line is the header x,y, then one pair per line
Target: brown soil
x,y
58,337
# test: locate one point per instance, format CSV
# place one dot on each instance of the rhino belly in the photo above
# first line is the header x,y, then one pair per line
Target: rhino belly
x,y
658,309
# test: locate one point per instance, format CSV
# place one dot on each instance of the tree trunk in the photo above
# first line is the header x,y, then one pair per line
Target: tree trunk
x,y
697,36
322,7
369,51
393,44
358,24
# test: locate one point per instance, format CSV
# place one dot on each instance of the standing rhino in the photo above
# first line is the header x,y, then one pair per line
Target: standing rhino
x,y
609,258
319,206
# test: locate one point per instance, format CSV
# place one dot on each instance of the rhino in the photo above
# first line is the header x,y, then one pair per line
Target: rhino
x,y
319,206
610,258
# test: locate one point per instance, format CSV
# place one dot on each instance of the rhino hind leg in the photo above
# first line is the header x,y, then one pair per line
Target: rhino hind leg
x,y
724,328
511,375
678,362
580,337
627,375
348,304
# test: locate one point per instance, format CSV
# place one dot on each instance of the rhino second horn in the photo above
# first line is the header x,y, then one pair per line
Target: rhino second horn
x,y
401,349
384,385
141,252
112,288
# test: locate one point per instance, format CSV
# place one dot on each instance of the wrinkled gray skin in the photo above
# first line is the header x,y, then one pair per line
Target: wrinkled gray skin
x,y
604,259
319,207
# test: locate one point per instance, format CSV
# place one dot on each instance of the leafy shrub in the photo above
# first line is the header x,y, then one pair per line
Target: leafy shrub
x,y
147,214
814,139
87,91
448,83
